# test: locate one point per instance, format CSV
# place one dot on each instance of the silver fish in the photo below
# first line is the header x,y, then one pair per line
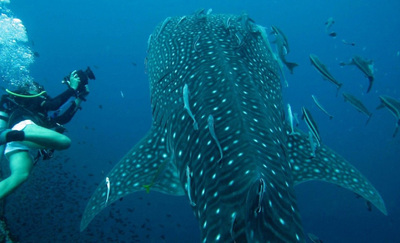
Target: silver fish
x,y
393,106
291,119
366,66
320,106
323,70
186,106
311,124
282,53
261,165
282,46
276,31
313,144
329,23
108,184
314,238
356,103
189,186
211,128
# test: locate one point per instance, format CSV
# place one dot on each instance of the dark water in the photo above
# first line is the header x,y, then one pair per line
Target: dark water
x,y
111,37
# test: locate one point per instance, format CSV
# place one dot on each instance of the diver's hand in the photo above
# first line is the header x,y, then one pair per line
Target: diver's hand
x,y
74,80
82,93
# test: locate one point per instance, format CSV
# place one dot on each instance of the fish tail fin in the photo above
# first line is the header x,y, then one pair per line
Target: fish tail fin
x,y
380,106
338,88
371,81
396,129
291,65
369,118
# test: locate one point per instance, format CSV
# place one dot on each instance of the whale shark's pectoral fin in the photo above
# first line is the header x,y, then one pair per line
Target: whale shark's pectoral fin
x,y
329,166
147,166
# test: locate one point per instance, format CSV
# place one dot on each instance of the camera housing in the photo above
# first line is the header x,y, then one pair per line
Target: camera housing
x,y
84,77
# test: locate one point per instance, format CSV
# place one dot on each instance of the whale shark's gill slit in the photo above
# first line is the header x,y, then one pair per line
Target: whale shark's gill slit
x,y
211,128
189,186
180,21
195,43
187,106
166,21
227,23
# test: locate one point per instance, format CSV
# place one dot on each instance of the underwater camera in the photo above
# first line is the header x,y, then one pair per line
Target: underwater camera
x,y
84,77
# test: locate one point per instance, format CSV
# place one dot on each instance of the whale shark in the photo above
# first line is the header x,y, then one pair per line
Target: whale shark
x,y
219,135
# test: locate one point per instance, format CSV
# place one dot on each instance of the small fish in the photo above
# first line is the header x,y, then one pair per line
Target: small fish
x,y
314,238
296,118
313,144
332,34
122,94
227,23
348,43
282,46
357,104
189,186
329,23
276,31
366,66
108,184
291,118
233,225
186,106
321,68
214,136
320,106
260,195
311,124
393,106
282,51
368,204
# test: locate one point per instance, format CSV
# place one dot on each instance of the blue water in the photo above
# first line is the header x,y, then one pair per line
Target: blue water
x,y
111,37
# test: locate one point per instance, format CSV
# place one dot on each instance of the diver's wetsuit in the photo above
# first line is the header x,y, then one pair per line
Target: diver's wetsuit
x,y
42,110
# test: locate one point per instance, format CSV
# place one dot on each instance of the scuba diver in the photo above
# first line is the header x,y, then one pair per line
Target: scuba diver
x,y
33,122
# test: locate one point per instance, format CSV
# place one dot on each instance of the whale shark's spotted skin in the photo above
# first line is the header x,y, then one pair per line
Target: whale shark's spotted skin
x,y
219,135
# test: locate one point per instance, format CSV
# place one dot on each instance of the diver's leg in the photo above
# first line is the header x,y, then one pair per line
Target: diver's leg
x,y
20,166
40,137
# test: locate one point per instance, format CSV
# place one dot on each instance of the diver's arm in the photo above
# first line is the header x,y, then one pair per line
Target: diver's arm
x,y
69,113
58,101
